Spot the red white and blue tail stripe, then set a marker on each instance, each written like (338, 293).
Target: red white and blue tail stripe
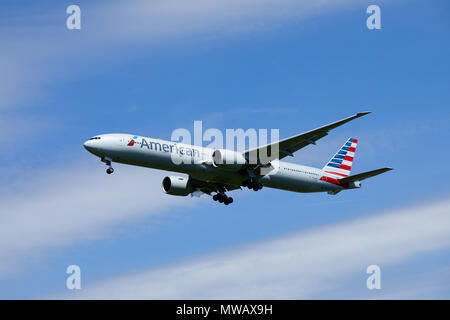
(341, 164)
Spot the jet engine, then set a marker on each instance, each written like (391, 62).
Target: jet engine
(177, 186)
(228, 160)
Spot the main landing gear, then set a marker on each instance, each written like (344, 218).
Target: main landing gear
(222, 198)
(252, 184)
(108, 163)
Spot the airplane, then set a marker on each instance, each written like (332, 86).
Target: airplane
(216, 172)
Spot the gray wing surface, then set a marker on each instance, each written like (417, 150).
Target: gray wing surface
(287, 147)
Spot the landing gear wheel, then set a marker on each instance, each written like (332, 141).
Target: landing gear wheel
(108, 162)
(247, 183)
(219, 197)
(222, 198)
(252, 184)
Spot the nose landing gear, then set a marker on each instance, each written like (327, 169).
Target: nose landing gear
(107, 161)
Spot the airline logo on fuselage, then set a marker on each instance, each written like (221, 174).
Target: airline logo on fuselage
(131, 142)
(164, 147)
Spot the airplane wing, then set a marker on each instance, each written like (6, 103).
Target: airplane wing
(290, 145)
(364, 175)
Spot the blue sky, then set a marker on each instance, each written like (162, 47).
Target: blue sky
(149, 68)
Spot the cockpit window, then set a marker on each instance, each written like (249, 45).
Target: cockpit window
(95, 138)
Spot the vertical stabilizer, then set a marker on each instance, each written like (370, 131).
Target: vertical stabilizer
(341, 164)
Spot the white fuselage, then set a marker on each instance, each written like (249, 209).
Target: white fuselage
(196, 162)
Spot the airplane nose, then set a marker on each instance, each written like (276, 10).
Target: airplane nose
(88, 145)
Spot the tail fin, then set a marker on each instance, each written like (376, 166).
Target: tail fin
(341, 164)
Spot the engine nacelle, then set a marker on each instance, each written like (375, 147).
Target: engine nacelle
(177, 186)
(227, 159)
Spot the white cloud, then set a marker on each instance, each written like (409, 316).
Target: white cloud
(61, 207)
(40, 50)
(301, 265)
(174, 18)
(430, 283)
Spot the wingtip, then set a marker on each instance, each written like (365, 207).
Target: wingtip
(360, 114)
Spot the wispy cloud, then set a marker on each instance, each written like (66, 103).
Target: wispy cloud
(39, 49)
(302, 265)
(173, 18)
(74, 203)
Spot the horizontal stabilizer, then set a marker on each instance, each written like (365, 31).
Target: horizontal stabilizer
(364, 175)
